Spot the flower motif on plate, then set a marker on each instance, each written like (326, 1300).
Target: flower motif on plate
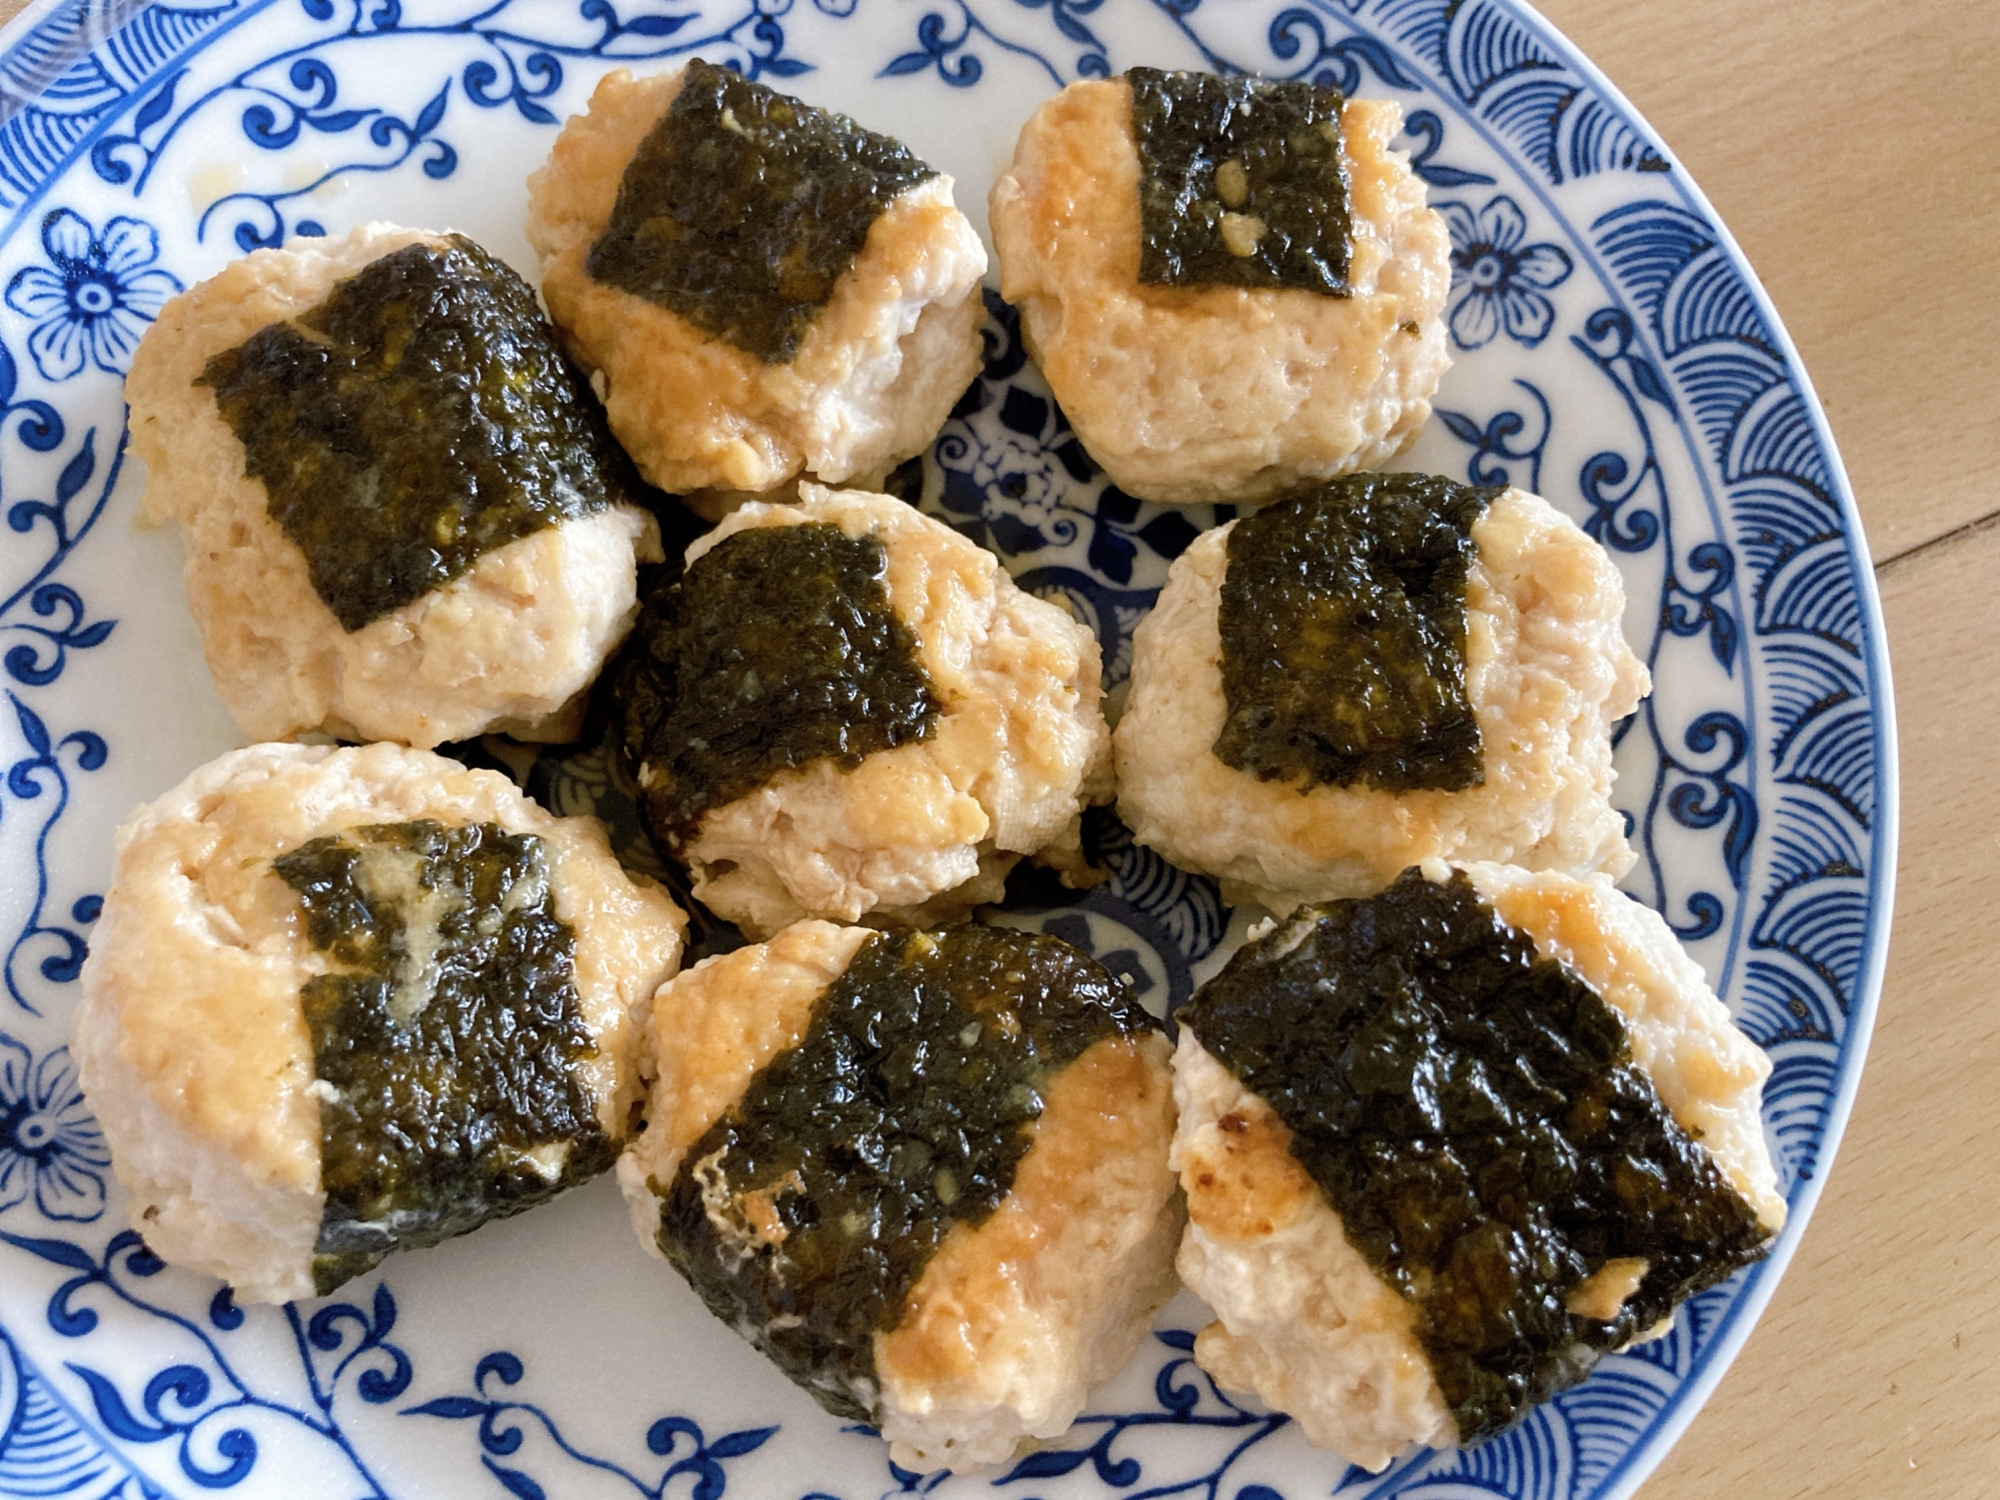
(92, 302)
(1497, 280)
(1640, 384)
(50, 1145)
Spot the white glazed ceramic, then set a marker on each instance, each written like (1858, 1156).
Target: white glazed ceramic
(1613, 352)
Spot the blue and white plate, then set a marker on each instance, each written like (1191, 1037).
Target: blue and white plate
(1613, 353)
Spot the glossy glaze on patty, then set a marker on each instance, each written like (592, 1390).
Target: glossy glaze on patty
(417, 419)
(1474, 1114)
(1241, 182)
(775, 649)
(1343, 636)
(446, 1036)
(744, 207)
(806, 1213)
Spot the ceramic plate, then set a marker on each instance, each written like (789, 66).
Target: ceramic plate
(1613, 352)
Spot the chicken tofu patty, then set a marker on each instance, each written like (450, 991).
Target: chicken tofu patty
(1231, 285)
(766, 289)
(404, 517)
(954, 1264)
(1381, 670)
(345, 1001)
(1446, 1146)
(845, 709)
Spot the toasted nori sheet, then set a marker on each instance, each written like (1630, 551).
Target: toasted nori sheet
(1343, 636)
(743, 208)
(438, 1109)
(417, 419)
(903, 1112)
(1473, 1114)
(778, 647)
(1283, 139)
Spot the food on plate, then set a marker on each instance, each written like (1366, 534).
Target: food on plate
(713, 505)
(404, 517)
(1441, 1147)
(1231, 284)
(1446, 1146)
(1379, 670)
(925, 1173)
(765, 288)
(845, 709)
(347, 1001)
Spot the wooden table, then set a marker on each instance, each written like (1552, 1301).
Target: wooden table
(1853, 146)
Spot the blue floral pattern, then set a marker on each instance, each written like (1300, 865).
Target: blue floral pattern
(1496, 281)
(92, 302)
(1009, 472)
(505, 1425)
(50, 1146)
(1614, 355)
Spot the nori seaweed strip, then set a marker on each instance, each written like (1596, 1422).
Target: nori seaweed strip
(903, 1112)
(778, 647)
(743, 208)
(1343, 636)
(1473, 1114)
(423, 418)
(1241, 182)
(449, 1032)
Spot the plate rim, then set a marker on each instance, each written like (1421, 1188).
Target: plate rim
(103, 19)
(1748, 1309)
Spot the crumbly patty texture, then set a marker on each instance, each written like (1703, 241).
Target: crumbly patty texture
(505, 646)
(1303, 1320)
(1301, 1317)
(191, 1039)
(1708, 1073)
(1014, 1317)
(1218, 393)
(870, 384)
(929, 828)
(711, 1029)
(1547, 671)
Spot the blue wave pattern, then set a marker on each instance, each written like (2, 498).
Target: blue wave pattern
(1807, 936)
(79, 69)
(1754, 811)
(46, 1451)
(1502, 74)
(199, 1408)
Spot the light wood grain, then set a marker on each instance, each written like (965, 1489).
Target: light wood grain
(1872, 1374)
(1853, 148)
